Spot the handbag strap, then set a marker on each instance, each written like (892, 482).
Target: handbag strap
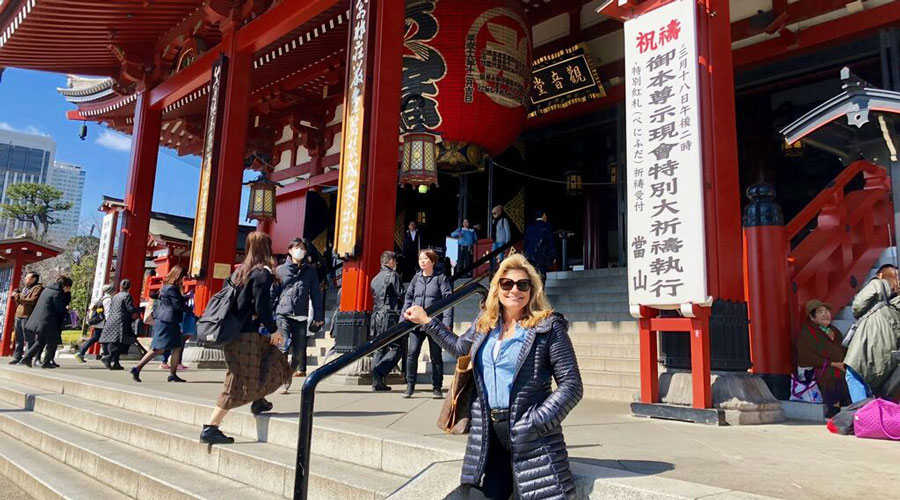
(881, 421)
(805, 389)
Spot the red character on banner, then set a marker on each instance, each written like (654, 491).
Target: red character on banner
(670, 32)
(646, 41)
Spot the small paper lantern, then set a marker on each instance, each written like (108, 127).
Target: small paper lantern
(262, 199)
(794, 150)
(573, 183)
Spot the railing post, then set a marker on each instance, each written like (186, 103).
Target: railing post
(766, 286)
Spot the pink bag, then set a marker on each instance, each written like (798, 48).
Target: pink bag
(879, 419)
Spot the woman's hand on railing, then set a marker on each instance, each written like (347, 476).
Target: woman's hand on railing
(276, 339)
(416, 314)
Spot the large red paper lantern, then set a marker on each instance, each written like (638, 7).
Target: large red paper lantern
(471, 61)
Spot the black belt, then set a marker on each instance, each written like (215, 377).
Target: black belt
(500, 415)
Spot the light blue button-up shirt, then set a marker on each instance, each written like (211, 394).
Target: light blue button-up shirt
(499, 370)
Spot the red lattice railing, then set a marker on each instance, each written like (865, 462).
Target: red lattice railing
(851, 230)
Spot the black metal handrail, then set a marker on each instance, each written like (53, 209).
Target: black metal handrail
(487, 259)
(308, 393)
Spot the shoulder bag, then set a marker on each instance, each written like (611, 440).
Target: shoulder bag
(455, 413)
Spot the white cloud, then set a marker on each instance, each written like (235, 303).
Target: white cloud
(114, 141)
(31, 129)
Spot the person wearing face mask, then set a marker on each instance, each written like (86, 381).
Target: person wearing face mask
(298, 284)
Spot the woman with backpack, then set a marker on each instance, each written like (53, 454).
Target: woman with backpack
(256, 366)
(169, 309)
(97, 318)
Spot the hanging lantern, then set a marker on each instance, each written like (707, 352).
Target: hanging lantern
(573, 183)
(262, 199)
(471, 63)
(418, 168)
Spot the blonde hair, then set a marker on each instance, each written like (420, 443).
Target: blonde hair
(538, 307)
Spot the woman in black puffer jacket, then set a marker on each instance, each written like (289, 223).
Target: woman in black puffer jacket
(427, 287)
(518, 344)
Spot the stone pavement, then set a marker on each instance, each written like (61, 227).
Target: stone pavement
(791, 460)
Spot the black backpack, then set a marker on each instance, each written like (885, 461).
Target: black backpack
(220, 324)
(97, 315)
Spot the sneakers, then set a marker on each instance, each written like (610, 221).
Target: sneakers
(175, 378)
(378, 384)
(80, 358)
(48, 365)
(260, 406)
(437, 393)
(135, 374)
(410, 389)
(212, 435)
(165, 366)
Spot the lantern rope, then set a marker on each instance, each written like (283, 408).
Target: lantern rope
(555, 181)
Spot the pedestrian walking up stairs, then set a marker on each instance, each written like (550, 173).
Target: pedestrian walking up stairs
(604, 334)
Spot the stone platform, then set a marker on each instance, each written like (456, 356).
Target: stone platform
(372, 446)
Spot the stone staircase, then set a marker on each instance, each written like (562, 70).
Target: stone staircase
(76, 439)
(68, 436)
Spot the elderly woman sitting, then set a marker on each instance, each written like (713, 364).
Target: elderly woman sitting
(819, 346)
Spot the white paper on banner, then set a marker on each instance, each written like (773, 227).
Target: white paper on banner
(666, 239)
(104, 254)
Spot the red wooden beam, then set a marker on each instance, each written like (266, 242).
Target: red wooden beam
(278, 21)
(187, 80)
(795, 12)
(829, 33)
(326, 179)
(304, 168)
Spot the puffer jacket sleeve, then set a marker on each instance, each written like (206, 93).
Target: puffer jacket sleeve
(456, 345)
(446, 291)
(549, 415)
(868, 297)
(410, 294)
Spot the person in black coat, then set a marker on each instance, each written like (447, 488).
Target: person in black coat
(426, 288)
(412, 245)
(518, 346)
(118, 335)
(387, 294)
(540, 247)
(169, 309)
(297, 287)
(47, 320)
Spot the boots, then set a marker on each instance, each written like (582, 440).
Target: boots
(212, 435)
(410, 389)
(260, 406)
(378, 384)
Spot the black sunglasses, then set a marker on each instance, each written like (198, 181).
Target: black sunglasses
(507, 284)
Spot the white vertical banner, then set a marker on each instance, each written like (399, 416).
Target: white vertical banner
(104, 254)
(666, 230)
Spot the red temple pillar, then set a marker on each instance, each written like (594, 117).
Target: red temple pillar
(139, 193)
(229, 171)
(381, 178)
(722, 196)
(6, 346)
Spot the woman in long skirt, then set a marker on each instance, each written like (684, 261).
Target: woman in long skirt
(256, 367)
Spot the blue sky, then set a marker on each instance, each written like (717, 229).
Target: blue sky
(30, 103)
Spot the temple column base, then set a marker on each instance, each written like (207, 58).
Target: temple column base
(738, 398)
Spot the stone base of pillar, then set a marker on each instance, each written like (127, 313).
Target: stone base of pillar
(203, 357)
(360, 373)
(744, 398)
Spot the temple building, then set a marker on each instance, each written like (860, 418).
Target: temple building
(361, 117)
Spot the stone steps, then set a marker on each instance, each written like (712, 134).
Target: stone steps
(44, 478)
(258, 465)
(367, 449)
(611, 379)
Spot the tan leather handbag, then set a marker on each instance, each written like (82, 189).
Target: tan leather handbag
(455, 413)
